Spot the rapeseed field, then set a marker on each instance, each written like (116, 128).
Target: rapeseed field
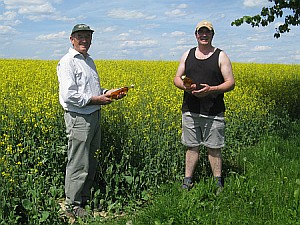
(141, 133)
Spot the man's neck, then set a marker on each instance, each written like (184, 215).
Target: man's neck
(206, 49)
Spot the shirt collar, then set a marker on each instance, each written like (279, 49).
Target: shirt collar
(73, 52)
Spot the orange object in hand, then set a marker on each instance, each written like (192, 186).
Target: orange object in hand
(187, 81)
(120, 91)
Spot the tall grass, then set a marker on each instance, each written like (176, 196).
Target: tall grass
(264, 191)
(141, 147)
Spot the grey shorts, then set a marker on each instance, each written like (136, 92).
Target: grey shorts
(203, 130)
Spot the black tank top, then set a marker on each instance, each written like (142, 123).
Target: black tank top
(205, 71)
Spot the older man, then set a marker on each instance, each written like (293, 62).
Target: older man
(81, 96)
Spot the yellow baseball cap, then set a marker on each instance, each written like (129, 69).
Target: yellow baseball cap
(206, 24)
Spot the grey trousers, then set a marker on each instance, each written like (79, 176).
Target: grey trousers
(84, 137)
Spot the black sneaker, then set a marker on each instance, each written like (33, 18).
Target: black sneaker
(187, 183)
(219, 190)
(76, 211)
(69, 211)
(219, 184)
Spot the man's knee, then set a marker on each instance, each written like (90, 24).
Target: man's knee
(214, 152)
(193, 149)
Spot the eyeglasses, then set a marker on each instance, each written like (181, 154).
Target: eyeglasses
(82, 36)
(204, 31)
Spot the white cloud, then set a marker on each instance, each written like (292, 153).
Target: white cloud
(257, 37)
(251, 60)
(182, 41)
(29, 6)
(140, 43)
(261, 48)
(278, 24)
(254, 3)
(126, 14)
(7, 30)
(174, 34)
(35, 10)
(181, 48)
(150, 26)
(9, 15)
(253, 38)
(296, 57)
(175, 13)
(150, 17)
(109, 29)
(177, 34)
(54, 36)
(135, 32)
(21, 2)
(182, 6)
(147, 53)
(45, 8)
(62, 18)
(57, 53)
(9, 18)
(122, 36)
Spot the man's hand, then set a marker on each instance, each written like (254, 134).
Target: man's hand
(202, 92)
(189, 88)
(101, 99)
(117, 93)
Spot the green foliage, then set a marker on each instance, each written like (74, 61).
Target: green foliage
(268, 14)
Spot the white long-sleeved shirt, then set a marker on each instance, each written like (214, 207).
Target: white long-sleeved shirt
(78, 82)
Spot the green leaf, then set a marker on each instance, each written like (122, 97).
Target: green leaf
(45, 216)
(129, 179)
(248, 19)
(145, 195)
(296, 194)
(27, 204)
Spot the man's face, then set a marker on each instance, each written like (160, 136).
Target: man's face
(204, 35)
(81, 41)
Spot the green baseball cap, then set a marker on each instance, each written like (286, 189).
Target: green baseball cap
(81, 27)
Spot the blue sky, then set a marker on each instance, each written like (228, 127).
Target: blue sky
(140, 29)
